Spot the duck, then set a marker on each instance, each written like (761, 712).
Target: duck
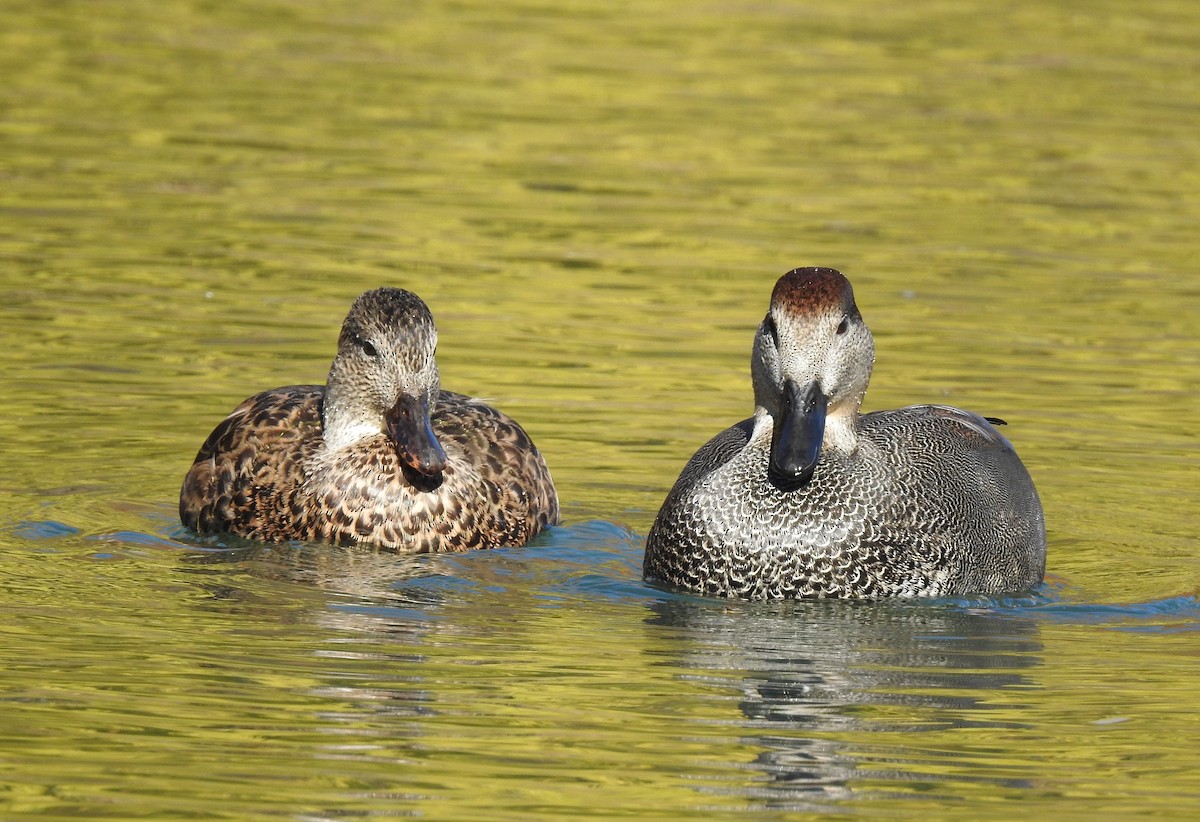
(811, 498)
(379, 455)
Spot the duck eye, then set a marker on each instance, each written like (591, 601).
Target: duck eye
(844, 325)
(769, 322)
(367, 348)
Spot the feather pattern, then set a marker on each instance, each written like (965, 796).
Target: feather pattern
(927, 500)
(271, 471)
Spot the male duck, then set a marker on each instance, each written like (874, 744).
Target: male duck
(808, 498)
(379, 455)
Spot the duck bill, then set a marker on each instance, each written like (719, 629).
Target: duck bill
(411, 430)
(796, 439)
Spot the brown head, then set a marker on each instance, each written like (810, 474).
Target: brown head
(812, 361)
(384, 379)
(807, 291)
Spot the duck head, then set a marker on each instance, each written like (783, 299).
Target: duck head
(384, 379)
(811, 364)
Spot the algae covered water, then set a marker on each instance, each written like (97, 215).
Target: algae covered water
(595, 200)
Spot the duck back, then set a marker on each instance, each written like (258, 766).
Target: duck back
(932, 502)
(263, 473)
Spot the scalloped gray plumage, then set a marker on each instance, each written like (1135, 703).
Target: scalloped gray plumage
(810, 498)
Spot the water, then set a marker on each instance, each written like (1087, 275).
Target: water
(595, 200)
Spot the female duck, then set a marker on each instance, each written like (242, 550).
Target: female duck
(379, 455)
(808, 498)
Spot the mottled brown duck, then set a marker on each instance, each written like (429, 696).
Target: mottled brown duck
(378, 455)
(810, 498)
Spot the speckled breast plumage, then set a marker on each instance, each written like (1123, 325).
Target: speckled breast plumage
(933, 502)
(262, 474)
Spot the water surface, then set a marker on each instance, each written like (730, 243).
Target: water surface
(595, 200)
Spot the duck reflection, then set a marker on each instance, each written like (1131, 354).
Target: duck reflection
(821, 685)
(354, 570)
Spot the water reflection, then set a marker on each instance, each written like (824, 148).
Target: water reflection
(818, 683)
(191, 191)
(357, 571)
(557, 656)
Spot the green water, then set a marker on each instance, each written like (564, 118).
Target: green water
(595, 199)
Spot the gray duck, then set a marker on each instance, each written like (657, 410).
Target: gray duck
(811, 498)
(378, 455)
